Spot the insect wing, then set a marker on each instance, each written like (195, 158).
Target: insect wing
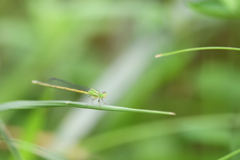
(63, 83)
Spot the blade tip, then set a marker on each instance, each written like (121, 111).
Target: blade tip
(34, 81)
(158, 55)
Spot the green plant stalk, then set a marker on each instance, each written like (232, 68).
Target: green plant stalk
(49, 104)
(197, 49)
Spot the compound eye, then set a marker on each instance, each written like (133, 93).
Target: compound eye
(104, 94)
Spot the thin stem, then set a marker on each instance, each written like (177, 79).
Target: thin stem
(196, 49)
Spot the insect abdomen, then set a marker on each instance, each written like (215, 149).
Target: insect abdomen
(59, 87)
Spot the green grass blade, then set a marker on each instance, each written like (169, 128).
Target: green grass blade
(230, 155)
(48, 104)
(32, 127)
(7, 139)
(197, 49)
(151, 130)
(40, 151)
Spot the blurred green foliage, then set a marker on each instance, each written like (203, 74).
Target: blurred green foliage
(78, 41)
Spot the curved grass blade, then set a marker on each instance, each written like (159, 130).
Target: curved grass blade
(7, 139)
(48, 104)
(197, 49)
(155, 129)
(230, 155)
(40, 151)
(33, 125)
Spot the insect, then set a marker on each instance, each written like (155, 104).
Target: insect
(65, 85)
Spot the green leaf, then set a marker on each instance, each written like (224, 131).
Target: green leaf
(49, 104)
(232, 5)
(211, 8)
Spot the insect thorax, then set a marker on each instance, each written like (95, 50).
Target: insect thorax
(93, 92)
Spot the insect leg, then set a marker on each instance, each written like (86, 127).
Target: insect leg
(99, 101)
(103, 100)
(88, 101)
(93, 100)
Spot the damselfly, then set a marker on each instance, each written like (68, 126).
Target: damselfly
(65, 85)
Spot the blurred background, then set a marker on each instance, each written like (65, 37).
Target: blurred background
(110, 45)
